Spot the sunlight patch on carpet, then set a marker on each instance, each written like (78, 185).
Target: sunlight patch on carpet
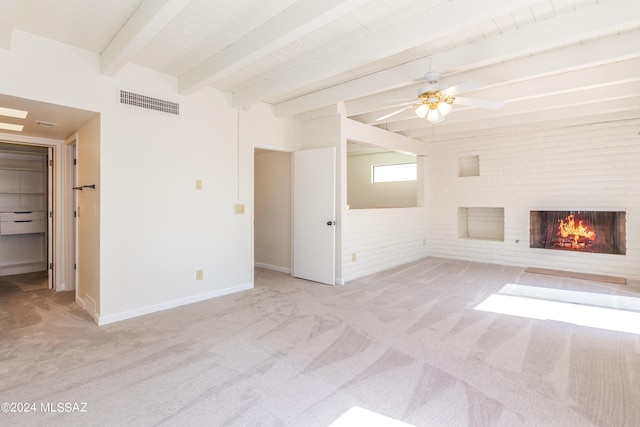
(602, 311)
(357, 416)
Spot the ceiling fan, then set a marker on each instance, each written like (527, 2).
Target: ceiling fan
(434, 103)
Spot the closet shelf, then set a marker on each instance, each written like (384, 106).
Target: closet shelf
(21, 169)
(40, 193)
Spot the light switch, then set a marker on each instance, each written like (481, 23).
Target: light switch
(198, 184)
(238, 208)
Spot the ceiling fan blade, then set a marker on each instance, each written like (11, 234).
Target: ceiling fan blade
(401, 100)
(386, 116)
(481, 103)
(462, 88)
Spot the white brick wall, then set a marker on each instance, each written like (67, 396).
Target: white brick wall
(594, 167)
(381, 239)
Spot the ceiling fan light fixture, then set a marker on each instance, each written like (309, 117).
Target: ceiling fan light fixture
(422, 111)
(433, 113)
(434, 103)
(444, 107)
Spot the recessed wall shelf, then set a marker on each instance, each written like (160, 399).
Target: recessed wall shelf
(468, 166)
(481, 223)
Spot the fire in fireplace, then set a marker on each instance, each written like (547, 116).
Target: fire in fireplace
(582, 231)
(574, 235)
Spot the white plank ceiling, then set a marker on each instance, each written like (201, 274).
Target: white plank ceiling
(553, 62)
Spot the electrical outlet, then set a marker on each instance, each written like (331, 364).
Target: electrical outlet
(199, 274)
(238, 208)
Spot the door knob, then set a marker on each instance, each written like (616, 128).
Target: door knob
(331, 223)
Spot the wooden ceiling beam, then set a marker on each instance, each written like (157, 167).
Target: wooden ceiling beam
(302, 18)
(597, 99)
(566, 83)
(628, 118)
(594, 111)
(145, 24)
(394, 39)
(534, 40)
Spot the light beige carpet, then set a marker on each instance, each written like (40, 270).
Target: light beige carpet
(406, 343)
(29, 281)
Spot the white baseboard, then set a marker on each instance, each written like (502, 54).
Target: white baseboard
(272, 267)
(129, 314)
(91, 307)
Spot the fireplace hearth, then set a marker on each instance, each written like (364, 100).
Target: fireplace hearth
(579, 231)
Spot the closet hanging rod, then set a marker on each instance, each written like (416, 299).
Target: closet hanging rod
(85, 186)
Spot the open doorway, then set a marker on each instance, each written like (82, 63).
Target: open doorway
(26, 234)
(272, 209)
(42, 196)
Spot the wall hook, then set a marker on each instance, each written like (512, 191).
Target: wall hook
(85, 186)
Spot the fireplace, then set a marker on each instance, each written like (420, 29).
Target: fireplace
(580, 231)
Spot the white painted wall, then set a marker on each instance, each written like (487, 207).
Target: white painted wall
(378, 239)
(272, 210)
(364, 194)
(156, 229)
(591, 167)
(88, 220)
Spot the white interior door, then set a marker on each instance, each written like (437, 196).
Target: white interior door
(314, 246)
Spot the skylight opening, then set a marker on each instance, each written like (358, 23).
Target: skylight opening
(602, 311)
(11, 126)
(10, 112)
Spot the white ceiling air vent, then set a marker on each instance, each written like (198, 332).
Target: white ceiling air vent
(149, 103)
(44, 124)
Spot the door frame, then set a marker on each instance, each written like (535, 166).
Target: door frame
(255, 146)
(337, 215)
(71, 224)
(61, 192)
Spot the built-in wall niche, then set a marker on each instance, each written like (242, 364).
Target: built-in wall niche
(468, 165)
(579, 231)
(362, 190)
(481, 223)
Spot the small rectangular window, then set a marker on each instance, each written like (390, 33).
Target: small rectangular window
(394, 173)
